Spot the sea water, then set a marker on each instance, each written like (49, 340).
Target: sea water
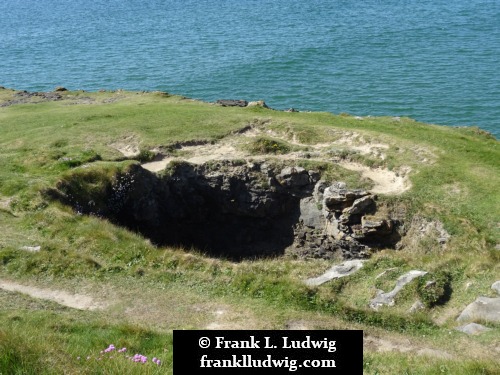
(437, 61)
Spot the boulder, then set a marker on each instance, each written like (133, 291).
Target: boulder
(360, 206)
(473, 329)
(310, 215)
(293, 177)
(483, 308)
(337, 198)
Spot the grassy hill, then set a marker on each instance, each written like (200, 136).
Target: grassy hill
(140, 292)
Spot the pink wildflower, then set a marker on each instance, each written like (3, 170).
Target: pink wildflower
(156, 361)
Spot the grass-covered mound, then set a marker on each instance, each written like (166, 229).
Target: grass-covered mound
(89, 141)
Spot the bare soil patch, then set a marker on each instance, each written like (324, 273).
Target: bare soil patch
(385, 181)
(76, 301)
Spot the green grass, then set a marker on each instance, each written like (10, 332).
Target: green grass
(265, 145)
(73, 146)
(48, 342)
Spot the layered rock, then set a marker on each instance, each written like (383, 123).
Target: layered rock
(336, 219)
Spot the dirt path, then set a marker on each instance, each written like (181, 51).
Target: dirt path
(215, 315)
(76, 301)
(385, 181)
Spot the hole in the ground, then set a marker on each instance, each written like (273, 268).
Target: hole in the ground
(228, 211)
(235, 210)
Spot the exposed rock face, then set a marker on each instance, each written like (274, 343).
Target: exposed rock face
(335, 218)
(241, 210)
(232, 103)
(23, 97)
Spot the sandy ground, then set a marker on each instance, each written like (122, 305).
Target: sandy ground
(385, 181)
(76, 301)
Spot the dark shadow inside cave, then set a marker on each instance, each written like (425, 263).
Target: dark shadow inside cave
(226, 235)
(231, 213)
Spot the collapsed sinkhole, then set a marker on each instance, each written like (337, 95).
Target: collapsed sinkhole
(235, 209)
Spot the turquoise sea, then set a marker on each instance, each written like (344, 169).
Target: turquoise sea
(436, 61)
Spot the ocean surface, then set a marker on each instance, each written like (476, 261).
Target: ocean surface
(436, 61)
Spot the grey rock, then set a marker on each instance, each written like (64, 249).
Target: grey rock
(314, 176)
(376, 226)
(339, 224)
(483, 308)
(340, 270)
(310, 215)
(336, 198)
(388, 298)
(496, 286)
(339, 185)
(318, 191)
(473, 329)
(293, 177)
(359, 206)
(232, 103)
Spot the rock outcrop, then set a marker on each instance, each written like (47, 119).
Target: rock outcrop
(483, 308)
(336, 272)
(473, 329)
(336, 218)
(388, 298)
(232, 103)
